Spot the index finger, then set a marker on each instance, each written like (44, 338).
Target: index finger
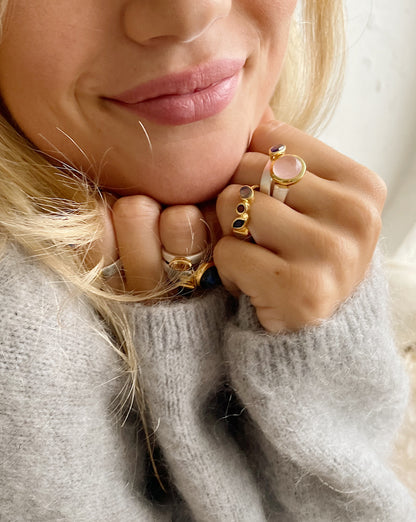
(321, 159)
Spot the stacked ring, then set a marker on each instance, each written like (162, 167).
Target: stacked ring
(281, 172)
(194, 259)
(187, 273)
(240, 224)
(115, 268)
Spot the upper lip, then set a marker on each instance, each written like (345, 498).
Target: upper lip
(181, 83)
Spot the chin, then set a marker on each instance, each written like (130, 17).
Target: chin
(188, 190)
(190, 194)
(181, 171)
(189, 197)
(196, 188)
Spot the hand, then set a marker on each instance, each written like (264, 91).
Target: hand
(311, 251)
(135, 229)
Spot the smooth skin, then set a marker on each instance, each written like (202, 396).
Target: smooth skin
(60, 60)
(310, 252)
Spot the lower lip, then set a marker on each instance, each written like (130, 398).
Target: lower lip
(187, 108)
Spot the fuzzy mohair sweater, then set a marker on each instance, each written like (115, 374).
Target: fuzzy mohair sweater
(249, 426)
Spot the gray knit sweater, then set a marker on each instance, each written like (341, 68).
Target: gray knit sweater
(249, 426)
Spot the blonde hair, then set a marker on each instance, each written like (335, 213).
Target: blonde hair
(310, 83)
(56, 214)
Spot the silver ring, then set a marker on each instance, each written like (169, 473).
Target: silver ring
(112, 270)
(267, 186)
(193, 259)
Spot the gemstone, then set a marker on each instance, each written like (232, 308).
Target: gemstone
(210, 278)
(241, 208)
(180, 264)
(239, 223)
(246, 192)
(287, 167)
(278, 149)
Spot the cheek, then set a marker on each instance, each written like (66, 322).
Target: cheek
(272, 21)
(270, 16)
(43, 52)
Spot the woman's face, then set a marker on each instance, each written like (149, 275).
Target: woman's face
(156, 97)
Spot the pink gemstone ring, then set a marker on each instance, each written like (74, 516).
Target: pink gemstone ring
(281, 171)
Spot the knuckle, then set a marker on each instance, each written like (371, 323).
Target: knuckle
(376, 187)
(227, 195)
(379, 190)
(372, 184)
(319, 295)
(364, 217)
(337, 251)
(336, 247)
(182, 229)
(133, 207)
(181, 218)
(322, 302)
(182, 212)
(370, 221)
(221, 251)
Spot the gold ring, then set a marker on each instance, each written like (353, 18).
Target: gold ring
(194, 259)
(240, 224)
(281, 172)
(188, 273)
(180, 269)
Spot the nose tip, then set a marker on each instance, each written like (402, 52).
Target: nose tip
(183, 20)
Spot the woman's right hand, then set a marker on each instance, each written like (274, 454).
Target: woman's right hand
(136, 227)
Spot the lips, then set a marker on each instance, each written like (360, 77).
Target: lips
(186, 97)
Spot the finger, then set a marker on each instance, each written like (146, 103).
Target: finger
(312, 196)
(136, 222)
(287, 296)
(276, 226)
(250, 169)
(320, 159)
(210, 218)
(183, 230)
(105, 249)
(257, 273)
(335, 205)
(249, 267)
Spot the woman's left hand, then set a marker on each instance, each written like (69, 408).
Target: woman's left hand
(311, 251)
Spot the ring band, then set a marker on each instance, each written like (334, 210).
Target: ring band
(113, 269)
(187, 273)
(193, 259)
(240, 224)
(180, 269)
(281, 172)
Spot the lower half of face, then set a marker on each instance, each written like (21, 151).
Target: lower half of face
(144, 113)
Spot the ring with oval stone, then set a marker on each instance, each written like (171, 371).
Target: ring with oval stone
(281, 172)
(189, 272)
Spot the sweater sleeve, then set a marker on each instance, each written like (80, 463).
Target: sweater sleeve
(181, 372)
(324, 404)
(63, 453)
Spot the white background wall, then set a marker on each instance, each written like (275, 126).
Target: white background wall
(375, 122)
